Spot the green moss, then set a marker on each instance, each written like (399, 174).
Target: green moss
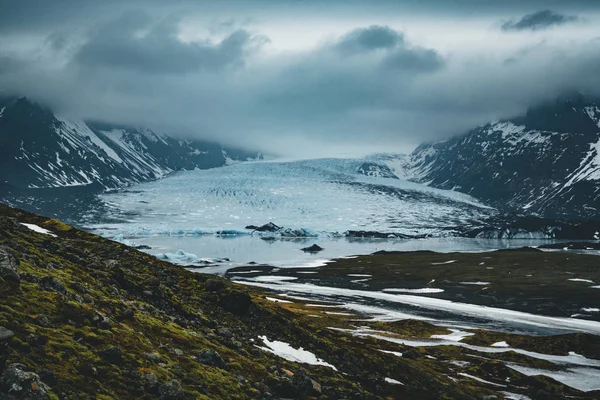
(160, 316)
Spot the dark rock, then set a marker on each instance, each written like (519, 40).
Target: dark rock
(52, 284)
(215, 285)
(171, 390)
(304, 384)
(171, 280)
(78, 287)
(143, 247)
(312, 249)
(36, 340)
(270, 227)
(153, 357)
(27, 277)
(48, 377)
(411, 354)
(175, 351)
(101, 321)
(128, 314)
(18, 383)
(376, 235)
(6, 336)
(212, 358)
(112, 355)
(8, 265)
(151, 379)
(236, 302)
(42, 321)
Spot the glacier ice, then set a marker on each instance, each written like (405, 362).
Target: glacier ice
(308, 197)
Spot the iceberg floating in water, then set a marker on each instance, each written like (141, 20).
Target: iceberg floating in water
(179, 256)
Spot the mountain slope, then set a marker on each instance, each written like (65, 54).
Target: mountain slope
(39, 149)
(87, 317)
(546, 163)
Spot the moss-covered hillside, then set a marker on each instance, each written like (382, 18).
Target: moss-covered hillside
(91, 318)
(83, 317)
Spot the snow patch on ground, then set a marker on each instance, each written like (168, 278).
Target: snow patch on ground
(444, 262)
(422, 290)
(515, 396)
(484, 312)
(590, 309)
(38, 229)
(456, 336)
(480, 380)
(393, 381)
(276, 300)
(580, 280)
(285, 351)
(584, 379)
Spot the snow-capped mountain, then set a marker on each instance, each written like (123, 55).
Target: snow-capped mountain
(546, 162)
(39, 149)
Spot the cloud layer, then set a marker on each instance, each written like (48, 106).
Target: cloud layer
(287, 80)
(539, 20)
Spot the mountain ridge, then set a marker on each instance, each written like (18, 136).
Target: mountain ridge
(40, 149)
(545, 163)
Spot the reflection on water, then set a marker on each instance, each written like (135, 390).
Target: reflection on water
(241, 250)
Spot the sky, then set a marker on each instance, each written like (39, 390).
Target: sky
(299, 78)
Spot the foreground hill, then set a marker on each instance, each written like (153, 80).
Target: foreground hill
(91, 317)
(81, 316)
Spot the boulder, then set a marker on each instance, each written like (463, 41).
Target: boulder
(171, 390)
(315, 248)
(42, 321)
(52, 284)
(113, 355)
(236, 302)
(212, 358)
(6, 336)
(18, 383)
(47, 377)
(304, 384)
(8, 265)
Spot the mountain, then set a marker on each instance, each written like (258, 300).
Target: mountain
(544, 163)
(39, 149)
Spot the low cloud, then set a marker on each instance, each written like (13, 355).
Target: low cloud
(539, 20)
(132, 42)
(368, 87)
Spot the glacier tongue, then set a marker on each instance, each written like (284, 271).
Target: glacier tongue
(323, 196)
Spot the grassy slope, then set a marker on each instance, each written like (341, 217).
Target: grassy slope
(160, 316)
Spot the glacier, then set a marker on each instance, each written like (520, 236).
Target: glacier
(321, 197)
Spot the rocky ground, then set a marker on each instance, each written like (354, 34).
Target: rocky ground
(84, 317)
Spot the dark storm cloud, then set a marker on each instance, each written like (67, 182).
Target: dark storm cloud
(367, 39)
(399, 54)
(207, 69)
(119, 44)
(539, 20)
